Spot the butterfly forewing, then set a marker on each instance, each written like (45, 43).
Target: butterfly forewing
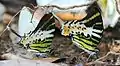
(25, 25)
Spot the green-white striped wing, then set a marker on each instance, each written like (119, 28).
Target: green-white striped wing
(86, 33)
(40, 38)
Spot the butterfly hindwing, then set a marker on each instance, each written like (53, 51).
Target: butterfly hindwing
(94, 27)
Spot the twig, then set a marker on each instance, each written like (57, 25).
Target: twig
(96, 62)
(7, 27)
(103, 56)
(101, 62)
(10, 22)
(107, 55)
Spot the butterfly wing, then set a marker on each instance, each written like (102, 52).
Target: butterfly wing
(91, 32)
(62, 3)
(25, 25)
(40, 38)
(109, 12)
(43, 2)
(86, 33)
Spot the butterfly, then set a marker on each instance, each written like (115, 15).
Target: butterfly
(37, 33)
(87, 32)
